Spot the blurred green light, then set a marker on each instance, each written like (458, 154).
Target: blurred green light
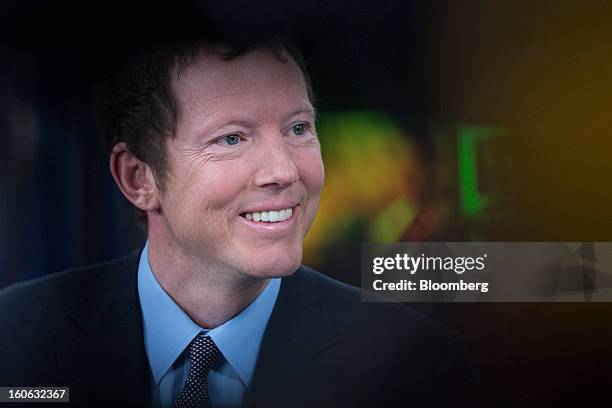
(392, 222)
(472, 201)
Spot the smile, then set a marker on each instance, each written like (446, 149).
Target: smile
(269, 216)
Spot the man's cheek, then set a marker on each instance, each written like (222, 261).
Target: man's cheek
(312, 171)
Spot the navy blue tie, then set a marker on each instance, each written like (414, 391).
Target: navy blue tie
(202, 355)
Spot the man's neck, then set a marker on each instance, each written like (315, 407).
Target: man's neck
(209, 296)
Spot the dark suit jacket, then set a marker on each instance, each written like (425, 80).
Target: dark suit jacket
(323, 346)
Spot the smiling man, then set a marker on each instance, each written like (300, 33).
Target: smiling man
(216, 145)
(243, 182)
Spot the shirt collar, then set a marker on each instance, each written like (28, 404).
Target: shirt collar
(168, 330)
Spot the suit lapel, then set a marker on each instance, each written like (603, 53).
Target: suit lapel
(103, 358)
(298, 330)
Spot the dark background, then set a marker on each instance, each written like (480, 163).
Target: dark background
(539, 75)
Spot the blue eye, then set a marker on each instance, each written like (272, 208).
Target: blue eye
(231, 139)
(299, 129)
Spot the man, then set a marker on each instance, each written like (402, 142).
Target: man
(216, 145)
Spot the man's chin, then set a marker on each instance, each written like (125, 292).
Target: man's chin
(275, 269)
(269, 261)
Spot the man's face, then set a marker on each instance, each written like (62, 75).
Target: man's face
(245, 168)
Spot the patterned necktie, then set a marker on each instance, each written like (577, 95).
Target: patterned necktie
(202, 354)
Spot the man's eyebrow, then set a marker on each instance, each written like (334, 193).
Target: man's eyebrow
(212, 126)
(307, 110)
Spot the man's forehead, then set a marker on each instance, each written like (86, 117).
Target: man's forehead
(260, 66)
(209, 75)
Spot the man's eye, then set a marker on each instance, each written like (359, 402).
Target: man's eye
(230, 139)
(299, 129)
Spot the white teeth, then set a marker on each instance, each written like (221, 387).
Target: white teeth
(270, 216)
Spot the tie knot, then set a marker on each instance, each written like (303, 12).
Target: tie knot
(202, 354)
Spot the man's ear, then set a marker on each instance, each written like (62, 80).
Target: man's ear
(134, 178)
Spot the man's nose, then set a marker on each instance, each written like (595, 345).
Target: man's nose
(276, 165)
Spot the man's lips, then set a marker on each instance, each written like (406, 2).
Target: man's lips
(278, 227)
(270, 216)
(271, 206)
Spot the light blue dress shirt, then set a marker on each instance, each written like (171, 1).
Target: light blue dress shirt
(168, 331)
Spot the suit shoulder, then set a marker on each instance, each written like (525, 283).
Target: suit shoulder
(355, 310)
(41, 302)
